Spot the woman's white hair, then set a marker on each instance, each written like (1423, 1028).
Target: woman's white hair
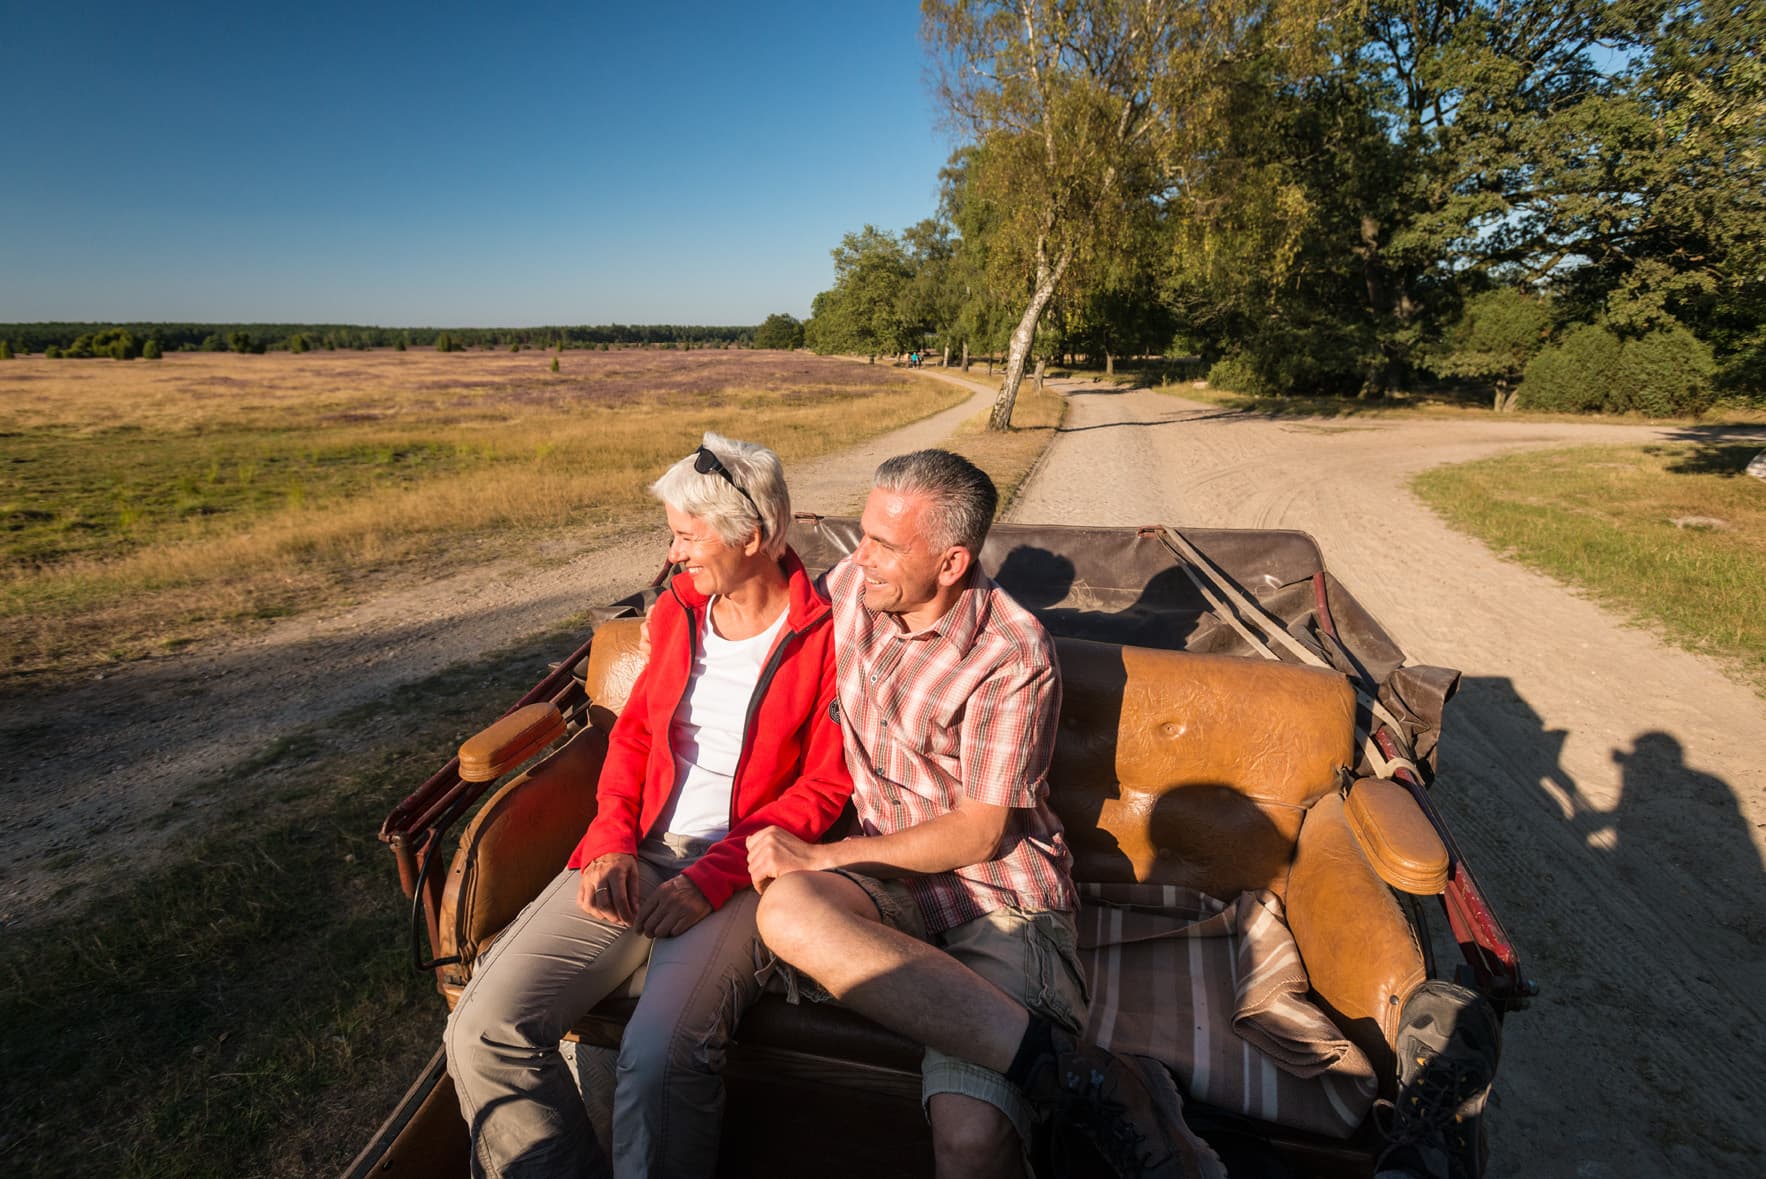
(709, 497)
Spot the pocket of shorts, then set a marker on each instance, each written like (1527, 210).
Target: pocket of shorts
(1060, 980)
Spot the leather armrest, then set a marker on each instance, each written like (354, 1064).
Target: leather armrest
(517, 842)
(1361, 955)
(490, 754)
(1397, 837)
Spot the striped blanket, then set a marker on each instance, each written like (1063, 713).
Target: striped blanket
(1216, 990)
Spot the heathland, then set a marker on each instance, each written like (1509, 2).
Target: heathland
(146, 505)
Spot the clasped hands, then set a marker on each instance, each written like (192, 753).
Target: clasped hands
(608, 889)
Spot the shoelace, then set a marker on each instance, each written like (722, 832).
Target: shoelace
(1427, 1112)
(1104, 1120)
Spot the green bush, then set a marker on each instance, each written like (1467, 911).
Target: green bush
(1667, 372)
(1236, 374)
(5, 349)
(1664, 373)
(152, 350)
(1576, 375)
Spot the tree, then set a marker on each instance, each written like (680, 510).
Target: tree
(445, 343)
(1078, 109)
(5, 349)
(152, 350)
(779, 331)
(863, 311)
(1496, 335)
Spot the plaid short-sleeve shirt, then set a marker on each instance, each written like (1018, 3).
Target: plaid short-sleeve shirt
(965, 707)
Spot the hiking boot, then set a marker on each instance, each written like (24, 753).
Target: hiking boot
(1116, 1115)
(1448, 1043)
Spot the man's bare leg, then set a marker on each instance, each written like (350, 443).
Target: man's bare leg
(825, 925)
(972, 1139)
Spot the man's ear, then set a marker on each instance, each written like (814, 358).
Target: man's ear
(955, 566)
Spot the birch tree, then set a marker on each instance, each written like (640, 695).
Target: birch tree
(1077, 110)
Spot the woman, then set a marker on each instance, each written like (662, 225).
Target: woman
(729, 729)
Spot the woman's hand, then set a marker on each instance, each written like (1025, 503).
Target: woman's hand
(675, 907)
(607, 890)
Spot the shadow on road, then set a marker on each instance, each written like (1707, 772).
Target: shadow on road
(1673, 842)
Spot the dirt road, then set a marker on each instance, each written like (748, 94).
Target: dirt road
(1606, 788)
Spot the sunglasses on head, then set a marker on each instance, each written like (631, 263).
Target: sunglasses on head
(707, 463)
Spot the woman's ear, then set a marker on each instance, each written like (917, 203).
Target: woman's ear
(753, 544)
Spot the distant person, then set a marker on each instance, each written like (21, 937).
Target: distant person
(950, 919)
(729, 730)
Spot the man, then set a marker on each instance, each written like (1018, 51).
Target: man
(950, 919)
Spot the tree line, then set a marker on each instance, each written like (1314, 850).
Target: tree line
(126, 341)
(1560, 201)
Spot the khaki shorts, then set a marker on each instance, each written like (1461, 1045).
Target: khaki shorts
(1030, 955)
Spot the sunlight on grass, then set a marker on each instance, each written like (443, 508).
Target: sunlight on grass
(148, 504)
(1673, 534)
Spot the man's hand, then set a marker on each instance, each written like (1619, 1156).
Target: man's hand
(607, 889)
(774, 852)
(675, 907)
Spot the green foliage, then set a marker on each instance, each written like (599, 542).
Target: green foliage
(1662, 373)
(5, 348)
(1237, 374)
(1495, 336)
(864, 312)
(52, 353)
(152, 350)
(554, 364)
(400, 345)
(1666, 372)
(779, 331)
(1576, 375)
(444, 342)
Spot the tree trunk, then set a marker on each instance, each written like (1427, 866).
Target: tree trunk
(1109, 363)
(1019, 352)
(1501, 390)
(965, 356)
(1041, 369)
(945, 363)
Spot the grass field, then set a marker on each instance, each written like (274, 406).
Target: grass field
(147, 504)
(1604, 519)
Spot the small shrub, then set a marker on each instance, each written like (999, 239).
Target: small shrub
(1236, 374)
(52, 353)
(1667, 372)
(6, 350)
(1575, 375)
(152, 350)
(554, 364)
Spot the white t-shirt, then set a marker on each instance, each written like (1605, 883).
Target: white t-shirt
(705, 735)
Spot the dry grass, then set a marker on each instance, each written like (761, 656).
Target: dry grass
(149, 504)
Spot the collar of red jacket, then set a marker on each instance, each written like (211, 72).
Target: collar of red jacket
(804, 605)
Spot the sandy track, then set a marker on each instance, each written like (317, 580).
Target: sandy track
(1607, 788)
(88, 773)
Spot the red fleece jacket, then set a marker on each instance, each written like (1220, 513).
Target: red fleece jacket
(791, 772)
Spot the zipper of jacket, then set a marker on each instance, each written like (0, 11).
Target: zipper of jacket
(674, 783)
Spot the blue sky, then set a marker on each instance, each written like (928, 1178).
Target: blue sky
(452, 164)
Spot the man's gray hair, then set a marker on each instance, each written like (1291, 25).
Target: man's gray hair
(963, 497)
(708, 496)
